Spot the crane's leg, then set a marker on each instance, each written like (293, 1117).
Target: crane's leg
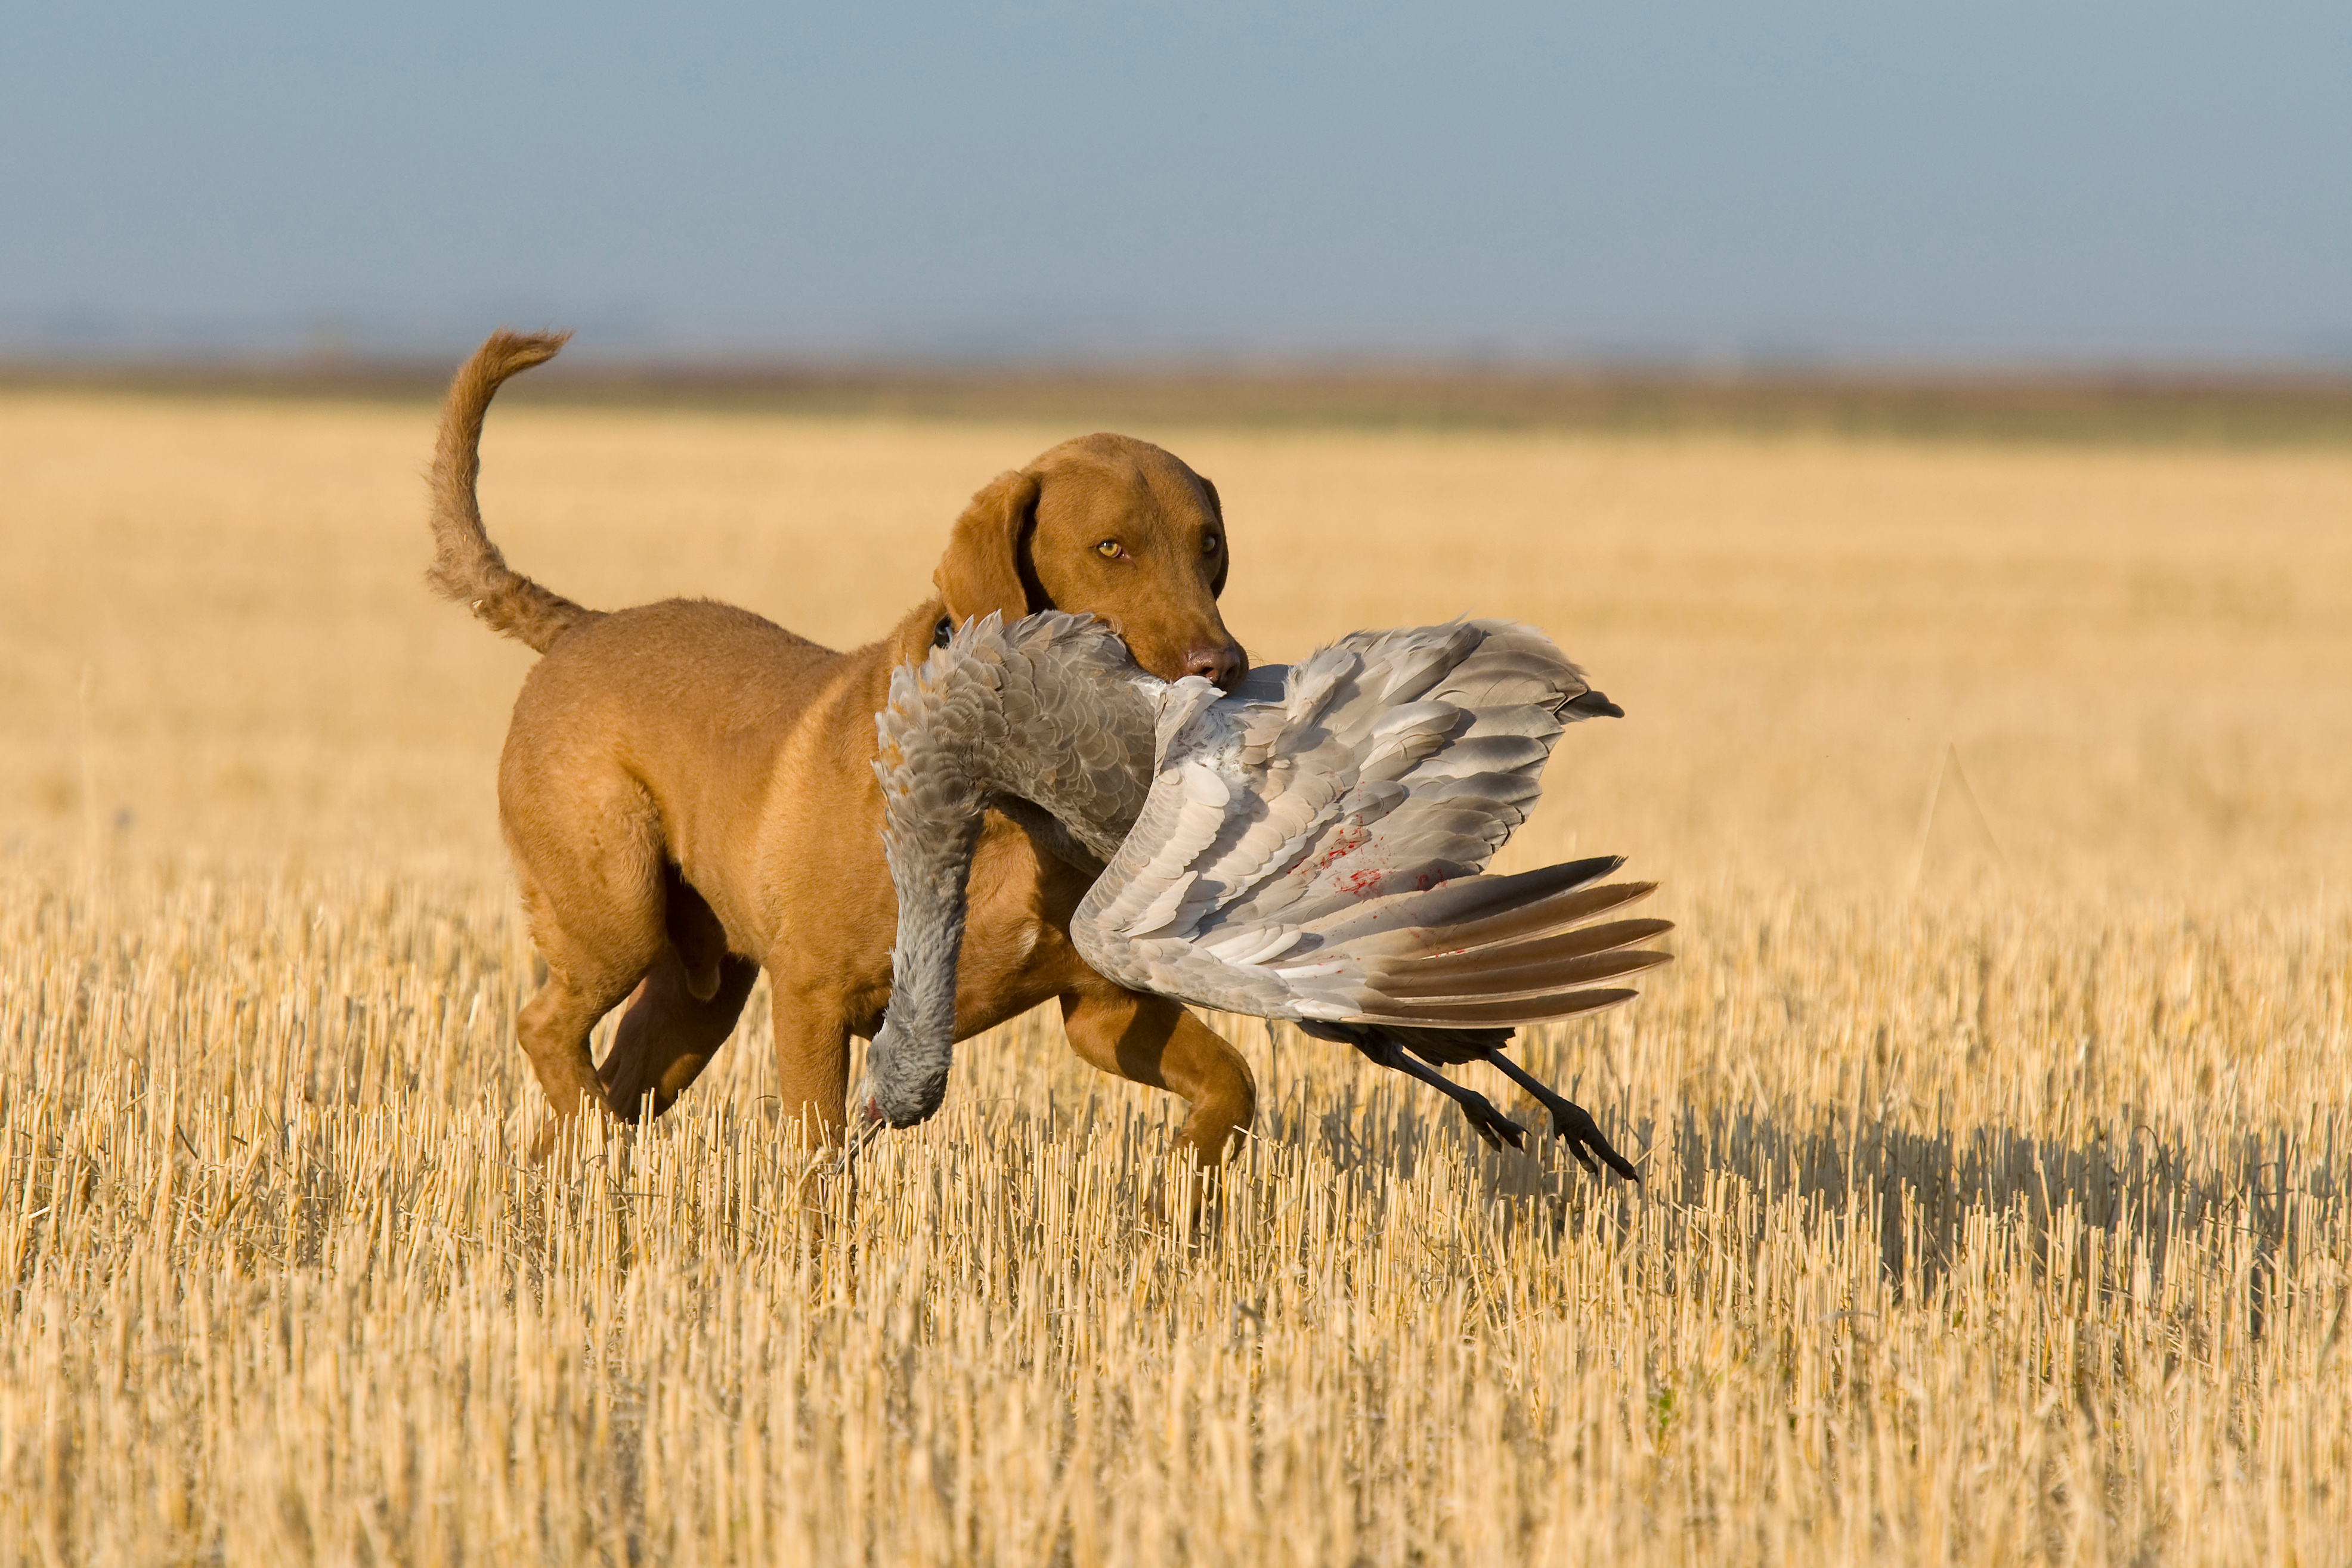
(1486, 1120)
(1379, 1045)
(1151, 1039)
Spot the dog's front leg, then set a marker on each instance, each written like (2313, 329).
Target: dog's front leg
(1153, 1040)
(812, 1061)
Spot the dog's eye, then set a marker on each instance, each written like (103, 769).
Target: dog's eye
(1108, 550)
(942, 631)
(1208, 544)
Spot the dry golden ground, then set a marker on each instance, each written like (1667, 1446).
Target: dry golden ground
(1991, 1115)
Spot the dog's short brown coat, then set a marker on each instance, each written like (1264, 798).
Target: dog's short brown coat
(688, 796)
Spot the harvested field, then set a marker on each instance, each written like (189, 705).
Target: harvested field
(1991, 1116)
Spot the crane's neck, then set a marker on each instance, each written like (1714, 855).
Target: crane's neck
(906, 1066)
(1046, 714)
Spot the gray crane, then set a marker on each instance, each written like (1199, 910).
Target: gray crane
(1309, 847)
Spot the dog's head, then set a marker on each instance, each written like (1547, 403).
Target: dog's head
(1106, 525)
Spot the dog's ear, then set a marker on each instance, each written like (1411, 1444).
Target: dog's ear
(1225, 550)
(983, 569)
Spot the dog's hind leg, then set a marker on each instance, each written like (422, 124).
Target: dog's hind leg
(668, 1035)
(683, 1010)
(595, 913)
(553, 1029)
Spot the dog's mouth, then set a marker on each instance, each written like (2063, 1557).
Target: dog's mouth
(1171, 668)
(1150, 666)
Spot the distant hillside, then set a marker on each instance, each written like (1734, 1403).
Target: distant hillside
(2025, 405)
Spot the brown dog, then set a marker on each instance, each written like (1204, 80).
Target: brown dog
(688, 795)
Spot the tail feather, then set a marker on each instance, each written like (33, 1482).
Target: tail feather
(1372, 925)
(1531, 983)
(467, 567)
(1487, 970)
(1504, 917)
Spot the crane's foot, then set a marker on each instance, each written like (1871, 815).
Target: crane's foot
(1485, 1121)
(1570, 1122)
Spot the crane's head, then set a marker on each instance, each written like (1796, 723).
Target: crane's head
(904, 1084)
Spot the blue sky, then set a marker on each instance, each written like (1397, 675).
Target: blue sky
(1992, 182)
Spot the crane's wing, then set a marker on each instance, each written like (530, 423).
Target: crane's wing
(1307, 848)
(1310, 846)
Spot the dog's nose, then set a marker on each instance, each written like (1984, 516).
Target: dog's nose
(1224, 666)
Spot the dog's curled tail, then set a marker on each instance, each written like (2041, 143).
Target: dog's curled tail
(467, 567)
